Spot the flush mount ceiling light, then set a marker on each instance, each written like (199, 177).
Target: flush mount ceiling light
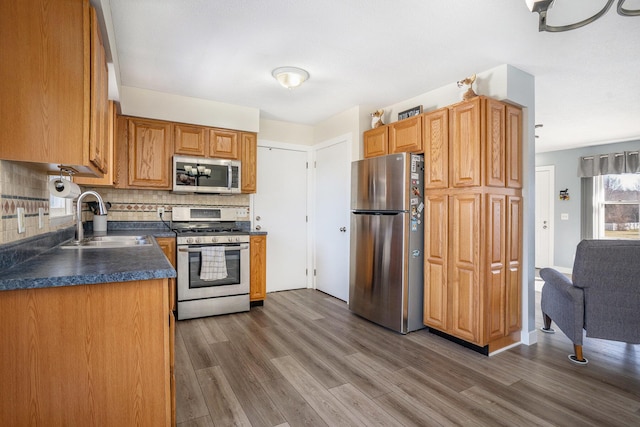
(290, 77)
(542, 6)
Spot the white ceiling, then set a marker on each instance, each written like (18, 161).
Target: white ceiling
(380, 52)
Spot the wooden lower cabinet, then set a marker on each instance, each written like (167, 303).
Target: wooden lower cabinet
(473, 266)
(258, 281)
(86, 355)
(168, 246)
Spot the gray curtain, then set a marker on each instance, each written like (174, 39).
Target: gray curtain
(586, 208)
(609, 164)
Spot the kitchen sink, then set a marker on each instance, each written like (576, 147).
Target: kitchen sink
(107, 242)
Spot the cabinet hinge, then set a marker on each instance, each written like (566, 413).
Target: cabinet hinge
(314, 271)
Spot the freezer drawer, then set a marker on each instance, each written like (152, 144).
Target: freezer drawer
(377, 282)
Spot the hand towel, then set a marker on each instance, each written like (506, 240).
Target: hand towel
(213, 263)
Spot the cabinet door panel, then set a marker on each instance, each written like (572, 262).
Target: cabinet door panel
(99, 131)
(514, 261)
(436, 256)
(496, 274)
(223, 144)
(435, 133)
(465, 143)
(150, 151)
(513, 145)
(465, 294)
(495, 143)
(406, 136)
(190, 140)
(376, 142)
(258, 267)
(249, 157)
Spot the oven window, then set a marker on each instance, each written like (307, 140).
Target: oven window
(232, 258)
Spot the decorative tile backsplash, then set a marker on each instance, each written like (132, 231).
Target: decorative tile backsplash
(21, 186)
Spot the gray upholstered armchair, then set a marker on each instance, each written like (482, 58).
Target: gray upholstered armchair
(603, 296)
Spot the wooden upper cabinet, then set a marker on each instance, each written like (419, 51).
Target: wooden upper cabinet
(513, 145)
(376, 142)
(495, 143)
(465, 143)
(435, 134)
(190, 140)
(249, 158)
(108, 179)
(406, 136)
(224, 144)
(46, 85)
(99, 131)
(149, 153)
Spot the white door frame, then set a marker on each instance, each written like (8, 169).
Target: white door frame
(348, 139)
(551, 201)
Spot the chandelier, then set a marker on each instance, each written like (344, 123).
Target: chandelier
(542, 6)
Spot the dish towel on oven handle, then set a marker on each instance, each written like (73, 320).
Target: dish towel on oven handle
(213, 263)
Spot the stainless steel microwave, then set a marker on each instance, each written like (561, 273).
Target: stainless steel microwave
(203, 175)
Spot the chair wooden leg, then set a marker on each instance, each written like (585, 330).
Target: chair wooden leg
(547, 329)
(578, 358)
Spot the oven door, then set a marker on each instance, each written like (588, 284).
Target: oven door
(191, 286)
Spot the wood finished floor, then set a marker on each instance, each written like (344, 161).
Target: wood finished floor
(304, 359)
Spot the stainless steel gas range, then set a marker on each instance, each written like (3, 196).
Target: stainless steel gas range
(213, 260)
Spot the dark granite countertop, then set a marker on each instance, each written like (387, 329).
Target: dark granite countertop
(66, 267)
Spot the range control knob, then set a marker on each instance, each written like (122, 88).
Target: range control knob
(214, 239)
(198, 240)
(189, 240)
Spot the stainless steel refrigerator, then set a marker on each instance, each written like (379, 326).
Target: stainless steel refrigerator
(387, 235)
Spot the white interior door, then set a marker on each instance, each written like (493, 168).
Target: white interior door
(544, 216)
(332, 219)
(280, 209)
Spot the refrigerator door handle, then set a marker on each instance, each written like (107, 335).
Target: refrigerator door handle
(377, 213)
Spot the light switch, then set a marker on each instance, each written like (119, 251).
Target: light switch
(564, 216)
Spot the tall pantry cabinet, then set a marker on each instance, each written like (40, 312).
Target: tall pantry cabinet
(473, 215)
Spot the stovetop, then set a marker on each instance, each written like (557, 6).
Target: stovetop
(202, 229)
(210, 225)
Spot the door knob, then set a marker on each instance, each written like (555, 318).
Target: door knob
(258, 218)
(343, 229)
(258, 228)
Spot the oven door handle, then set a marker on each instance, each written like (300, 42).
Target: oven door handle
(241, 247)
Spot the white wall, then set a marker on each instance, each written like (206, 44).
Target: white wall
(165, 106)
(290, 133)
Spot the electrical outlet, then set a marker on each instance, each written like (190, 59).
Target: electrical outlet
(40, 217)
(21, 225)
(160, 212)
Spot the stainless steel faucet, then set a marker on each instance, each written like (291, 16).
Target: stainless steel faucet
(102, 210)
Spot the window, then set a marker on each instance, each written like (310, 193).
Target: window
(617, 206)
